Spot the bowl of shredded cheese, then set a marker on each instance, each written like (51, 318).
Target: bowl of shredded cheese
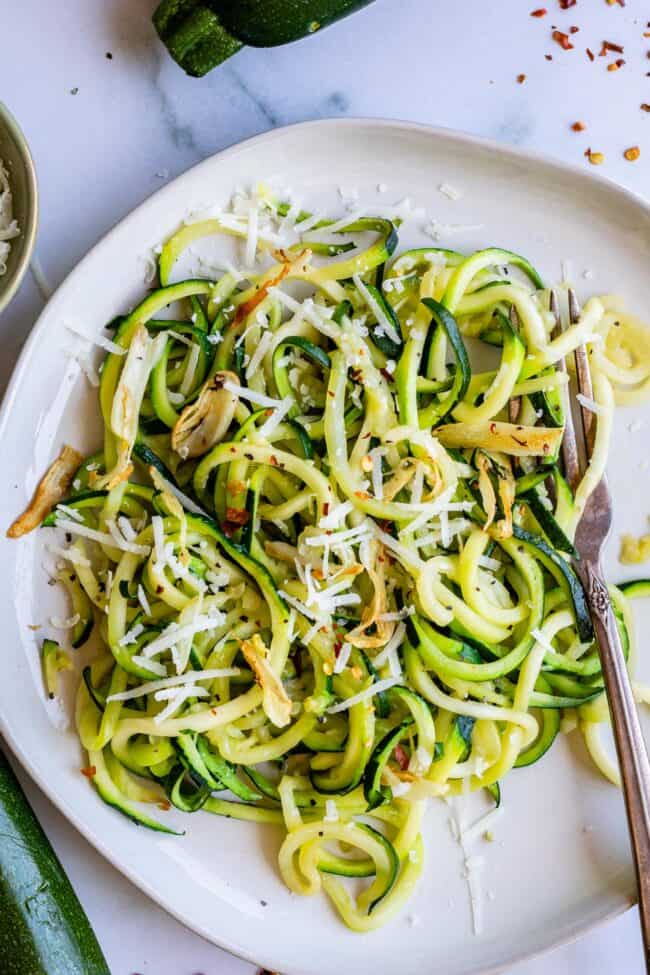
(18, 206)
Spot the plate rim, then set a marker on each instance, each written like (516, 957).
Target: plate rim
(618, 902)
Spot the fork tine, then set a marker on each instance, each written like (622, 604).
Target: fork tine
(514, 406)
(570, 457)
(583, 376)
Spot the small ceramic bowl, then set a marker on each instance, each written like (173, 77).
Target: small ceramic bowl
(18, 162)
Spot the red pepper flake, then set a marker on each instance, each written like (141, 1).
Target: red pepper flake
(237, 516)
(565, 4)
(273, 460)
(549, 57)
(591, 55)
(616, 65)
(164, 804)
(521, 78)
(632, 154)
(578, 127)
(646, 33)
(573, 29)
(608, 46)
(388, 376)
(562, 39)
(401, 757)
(363, 495)
(540, 12)
(596, 159)
(90, 772)
(645, 107)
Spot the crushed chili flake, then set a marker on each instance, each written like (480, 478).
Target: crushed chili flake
(238, 516)
(645, 107)
(164, 804)
(521, 78)
(363, 495)
(562, 39)
(632, 154)
(578, 126)
(595, 158)
(565, 4)
(616, 65)
(401, 757)
(590, 54)
(549, 57)
(609, 46)
(573, 29)
(90, 772)
(235, 487)
(540, 12)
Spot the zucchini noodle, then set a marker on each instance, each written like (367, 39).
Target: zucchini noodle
(326, 574)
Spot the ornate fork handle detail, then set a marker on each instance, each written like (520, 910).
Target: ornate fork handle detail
(598, 595)
(630, 745)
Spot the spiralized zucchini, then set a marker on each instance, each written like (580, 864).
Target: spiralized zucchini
(326, 572)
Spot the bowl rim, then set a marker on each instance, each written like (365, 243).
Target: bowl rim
(28, 232)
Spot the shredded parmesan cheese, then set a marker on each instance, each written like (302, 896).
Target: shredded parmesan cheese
(376, 688)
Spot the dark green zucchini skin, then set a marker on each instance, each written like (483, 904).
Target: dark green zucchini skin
(200, 34)
(43, 928)
(267, 23)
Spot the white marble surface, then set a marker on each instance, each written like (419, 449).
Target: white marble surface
(136, 121)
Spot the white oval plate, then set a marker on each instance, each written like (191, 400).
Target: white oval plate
(560, 861)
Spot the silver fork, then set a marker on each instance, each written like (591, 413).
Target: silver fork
(592, 531)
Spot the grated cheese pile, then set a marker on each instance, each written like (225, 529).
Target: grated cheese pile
(8, 226)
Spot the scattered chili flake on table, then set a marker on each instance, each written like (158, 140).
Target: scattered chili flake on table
(578, 126)
(609, 46)
(591, 55)
(595, 158)
(89, 772)
(521, 78)
(549, 57)
(565, 4)
(540, 12)
(632, 154)
(615, 65)
(573, 29)
(645, 107)
(562, 39)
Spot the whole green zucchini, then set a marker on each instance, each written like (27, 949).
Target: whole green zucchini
(200, 34)
(43, 928)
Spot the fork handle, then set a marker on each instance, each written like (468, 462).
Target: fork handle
(630, 745)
